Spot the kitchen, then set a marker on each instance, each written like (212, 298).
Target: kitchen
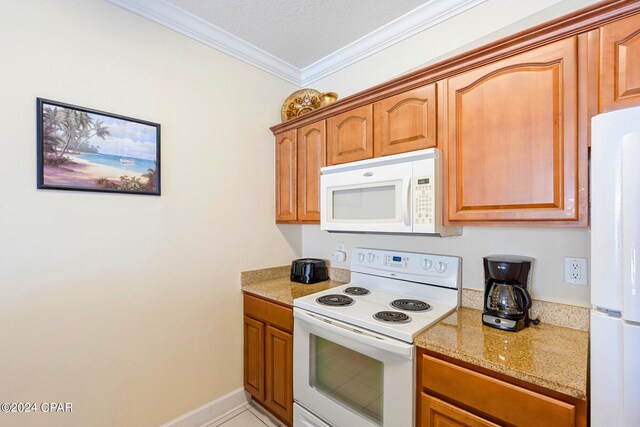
(142, 298)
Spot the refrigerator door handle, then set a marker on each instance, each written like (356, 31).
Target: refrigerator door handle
(631, 227)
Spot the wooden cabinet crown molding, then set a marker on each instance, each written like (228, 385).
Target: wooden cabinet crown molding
(566, 26)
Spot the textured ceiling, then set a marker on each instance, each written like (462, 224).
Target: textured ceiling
(300, 32)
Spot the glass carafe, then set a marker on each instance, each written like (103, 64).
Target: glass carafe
(508, 298)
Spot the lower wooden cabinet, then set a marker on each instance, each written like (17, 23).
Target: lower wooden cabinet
(254, 357)
(268, 355)
(453, 395)
(279, 372)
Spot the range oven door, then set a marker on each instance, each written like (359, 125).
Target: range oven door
(367, 199)
(352, 377)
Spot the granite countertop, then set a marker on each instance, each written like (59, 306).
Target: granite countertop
(547, 355)
(274, 284)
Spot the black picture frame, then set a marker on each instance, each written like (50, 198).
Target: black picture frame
(70, 157)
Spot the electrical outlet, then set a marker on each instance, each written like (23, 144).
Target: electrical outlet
(339, 256)
(575, 271)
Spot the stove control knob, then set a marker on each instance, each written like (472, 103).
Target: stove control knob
(441, 267)
(360, 257)
(427, 263)
(371, 257)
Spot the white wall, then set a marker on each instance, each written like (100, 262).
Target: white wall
(129, 306)
(489, 21)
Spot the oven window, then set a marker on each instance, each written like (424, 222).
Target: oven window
(348, 377)
(373, 203)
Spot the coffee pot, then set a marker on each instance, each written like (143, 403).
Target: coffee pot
(506, 299)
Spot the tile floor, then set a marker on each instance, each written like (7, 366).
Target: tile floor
(249, 415)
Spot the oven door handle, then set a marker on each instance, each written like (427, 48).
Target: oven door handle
(359, 335)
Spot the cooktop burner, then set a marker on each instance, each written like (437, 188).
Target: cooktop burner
(410, 305)
(356, 290)
(335, 300)
(392, 317)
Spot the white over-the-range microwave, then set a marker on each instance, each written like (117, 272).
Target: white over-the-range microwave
(393, 194)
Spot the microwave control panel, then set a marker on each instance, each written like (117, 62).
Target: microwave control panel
(423, 200)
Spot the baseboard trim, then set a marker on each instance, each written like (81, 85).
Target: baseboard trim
(212, 410)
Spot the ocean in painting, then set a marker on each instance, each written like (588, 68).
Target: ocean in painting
(126, 164)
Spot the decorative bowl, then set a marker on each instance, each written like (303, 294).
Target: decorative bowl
(304, 101)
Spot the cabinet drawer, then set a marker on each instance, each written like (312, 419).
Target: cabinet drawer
(499, 399)
(437, 413)
(274, 314)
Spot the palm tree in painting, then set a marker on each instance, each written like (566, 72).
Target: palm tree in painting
(97, 129)
(66, 129)
(73, 124)
(50, 127)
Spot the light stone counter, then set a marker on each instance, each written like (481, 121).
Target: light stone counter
(547, 355)
(274, 284)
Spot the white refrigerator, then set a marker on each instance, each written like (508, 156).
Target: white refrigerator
(615, 269)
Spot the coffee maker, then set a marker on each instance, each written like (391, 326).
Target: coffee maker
(506, 296)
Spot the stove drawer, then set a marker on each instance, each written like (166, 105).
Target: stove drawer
(274, 314)
(493, 398)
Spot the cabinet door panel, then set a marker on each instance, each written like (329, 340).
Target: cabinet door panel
(512, 142)
(437, 413)
(254, 357)
(311, 157)
(279, 373)
(286, 177)
(620, 64)
(350, 136)
(405, 122)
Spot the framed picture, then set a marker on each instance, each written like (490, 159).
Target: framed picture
(87, 150)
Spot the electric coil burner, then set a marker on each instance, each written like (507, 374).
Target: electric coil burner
(410, 305)
(392, 317)
(335, 300)
(356, 290)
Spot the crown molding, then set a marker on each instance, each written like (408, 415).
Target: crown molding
(401, 28)
(180, 20)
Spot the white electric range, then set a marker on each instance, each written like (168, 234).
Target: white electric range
(353, 345)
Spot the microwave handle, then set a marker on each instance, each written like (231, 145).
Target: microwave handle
(406, 188)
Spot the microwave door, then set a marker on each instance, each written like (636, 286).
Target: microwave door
(376, 199)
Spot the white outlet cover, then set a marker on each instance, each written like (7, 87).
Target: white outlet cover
(339, 256)
(576, 271)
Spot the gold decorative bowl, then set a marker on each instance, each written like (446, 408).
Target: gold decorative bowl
(304, 101)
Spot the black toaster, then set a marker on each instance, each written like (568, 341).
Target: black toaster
(309, 270)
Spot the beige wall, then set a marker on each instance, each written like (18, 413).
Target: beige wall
(129, 306)
(489, 21)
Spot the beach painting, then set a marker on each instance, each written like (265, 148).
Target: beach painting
(89, 150)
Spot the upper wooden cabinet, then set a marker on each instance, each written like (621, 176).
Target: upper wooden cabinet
(512, 144)
(311, 157)
(299, 156)
(405, 122)
(512, 119)
(350, 136)
(620, 64)
(286, 163)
